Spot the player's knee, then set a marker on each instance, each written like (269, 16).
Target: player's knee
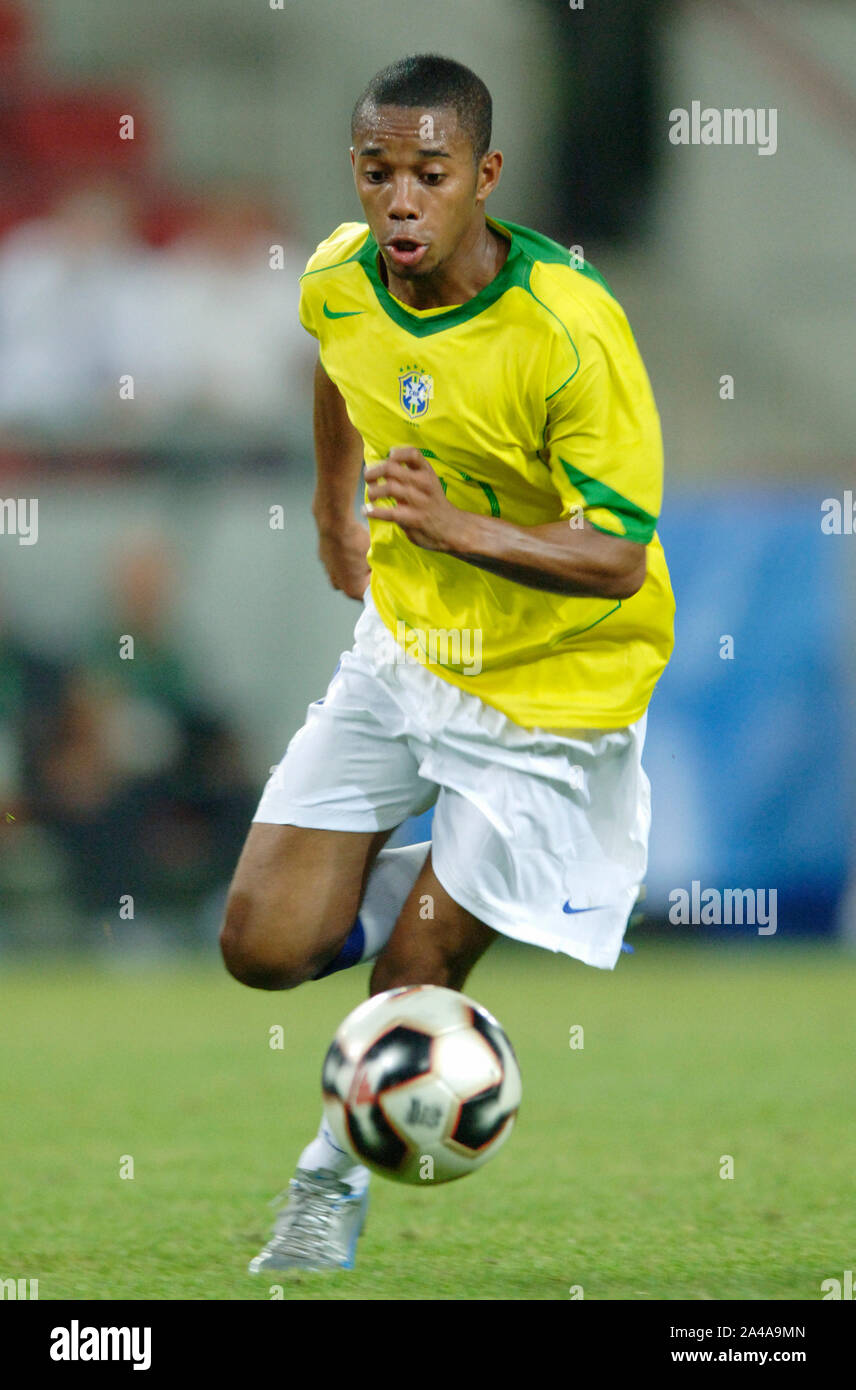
(417, 966)
(257, 953)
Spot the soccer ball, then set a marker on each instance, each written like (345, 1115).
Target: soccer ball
(421, 1084)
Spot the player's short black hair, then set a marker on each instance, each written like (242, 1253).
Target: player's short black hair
(429, 80)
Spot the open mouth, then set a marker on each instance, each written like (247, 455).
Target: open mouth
(405, 251)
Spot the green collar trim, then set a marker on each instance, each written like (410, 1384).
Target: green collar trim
(515, 271)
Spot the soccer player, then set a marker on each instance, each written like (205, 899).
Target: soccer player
(517, 610)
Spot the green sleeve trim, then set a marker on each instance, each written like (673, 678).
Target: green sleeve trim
(638, 524)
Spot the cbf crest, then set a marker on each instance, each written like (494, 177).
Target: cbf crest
(415, 390)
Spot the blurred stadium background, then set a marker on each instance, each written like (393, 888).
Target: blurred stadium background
(150, 257)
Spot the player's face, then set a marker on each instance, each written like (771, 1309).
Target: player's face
(418, 184)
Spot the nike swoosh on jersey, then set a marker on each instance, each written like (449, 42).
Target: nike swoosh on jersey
(347, 314)
(566, 907)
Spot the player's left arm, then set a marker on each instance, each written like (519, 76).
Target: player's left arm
(561, 557)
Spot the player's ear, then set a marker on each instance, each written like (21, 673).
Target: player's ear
(490, 169)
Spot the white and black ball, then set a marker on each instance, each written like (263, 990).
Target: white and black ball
(421, 1084)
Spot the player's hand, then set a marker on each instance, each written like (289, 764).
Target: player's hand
(343, 554)
(421, 508)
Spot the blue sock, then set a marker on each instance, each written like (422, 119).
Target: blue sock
(350, 954)
(392, 876)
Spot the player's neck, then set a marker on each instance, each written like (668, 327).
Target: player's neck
(461, 278)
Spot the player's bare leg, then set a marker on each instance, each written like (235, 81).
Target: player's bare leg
(293, 900)
(435, 941)
(290, 916)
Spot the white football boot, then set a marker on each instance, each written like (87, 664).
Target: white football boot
(319, 1226)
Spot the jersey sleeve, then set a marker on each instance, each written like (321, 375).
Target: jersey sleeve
(306, 308)
(602, 441)
(336, 249)
(309, 304)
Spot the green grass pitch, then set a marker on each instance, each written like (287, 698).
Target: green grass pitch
(611, 1180)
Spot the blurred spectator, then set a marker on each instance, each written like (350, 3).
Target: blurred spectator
(33, 877)
(233, 348)
(145, 786)
(31, 689)
(73, 311)
(206, 326)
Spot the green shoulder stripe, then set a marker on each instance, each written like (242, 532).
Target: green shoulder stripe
(638, 524)
(543, 248)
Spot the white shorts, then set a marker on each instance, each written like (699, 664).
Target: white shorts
(542, 836)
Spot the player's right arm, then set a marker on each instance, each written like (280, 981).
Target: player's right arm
(343, 540)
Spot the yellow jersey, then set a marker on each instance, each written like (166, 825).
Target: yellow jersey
(531, 403)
